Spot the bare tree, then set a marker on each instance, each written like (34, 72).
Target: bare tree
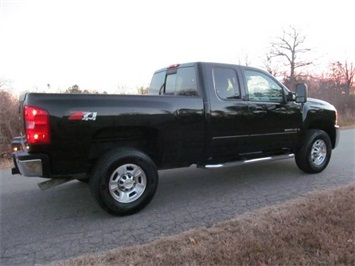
(244, 59)
(142, 90)
(342, 74)
(74, 90)
(289, 48)
(336, 76)
(4, 84)
(349, 73)
(270, 66)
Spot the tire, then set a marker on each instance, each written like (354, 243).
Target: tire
(124, 181)
(314, 155)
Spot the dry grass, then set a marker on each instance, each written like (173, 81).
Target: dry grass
(346, 120)
(316, 230)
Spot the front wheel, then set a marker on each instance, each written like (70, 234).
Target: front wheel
(124, 181)
(315, 153)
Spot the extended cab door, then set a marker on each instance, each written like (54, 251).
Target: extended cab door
(183, 139)
(227, 114)
(274, 123)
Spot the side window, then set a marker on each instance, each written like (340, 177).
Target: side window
(226, 83)
(262, 88)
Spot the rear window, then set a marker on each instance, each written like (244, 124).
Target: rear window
(157, 83)
(181, 82)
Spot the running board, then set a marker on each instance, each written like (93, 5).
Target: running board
(53, 183)
(263, 159)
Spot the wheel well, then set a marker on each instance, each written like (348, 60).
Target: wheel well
(326, 126)
(144, 139)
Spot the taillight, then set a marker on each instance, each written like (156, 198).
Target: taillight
(37, 125)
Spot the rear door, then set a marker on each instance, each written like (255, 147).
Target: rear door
(184, 140)
(227, 114)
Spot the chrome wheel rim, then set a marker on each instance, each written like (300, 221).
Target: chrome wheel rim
(319, 152)
(127, 183)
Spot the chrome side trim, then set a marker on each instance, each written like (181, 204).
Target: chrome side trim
(274, 134)
(263, 159)
(230, 137)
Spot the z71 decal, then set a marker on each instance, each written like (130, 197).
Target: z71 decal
(84, 116)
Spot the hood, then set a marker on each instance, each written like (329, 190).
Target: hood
(319, 104)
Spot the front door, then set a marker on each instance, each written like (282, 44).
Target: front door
(274, 122)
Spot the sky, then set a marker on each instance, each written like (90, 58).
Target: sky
(105, 45)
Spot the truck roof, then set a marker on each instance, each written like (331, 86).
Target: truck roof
(196, 63)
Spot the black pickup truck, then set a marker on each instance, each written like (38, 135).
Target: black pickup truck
(208, 114)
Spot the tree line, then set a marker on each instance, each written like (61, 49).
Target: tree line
(10, 125)
(285, 59)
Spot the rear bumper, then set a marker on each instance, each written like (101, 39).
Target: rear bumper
(28, 167)
(28, 164)
(31, 164)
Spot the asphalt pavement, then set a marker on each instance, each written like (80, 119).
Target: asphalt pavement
(38, 227)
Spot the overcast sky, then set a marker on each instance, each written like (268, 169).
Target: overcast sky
(100, 45)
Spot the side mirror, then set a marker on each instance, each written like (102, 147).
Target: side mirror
(301, 93)
(290, 97)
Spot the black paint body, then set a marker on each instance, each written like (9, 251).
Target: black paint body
(174, 130)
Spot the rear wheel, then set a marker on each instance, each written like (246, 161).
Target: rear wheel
(315, 153)
(124, 181)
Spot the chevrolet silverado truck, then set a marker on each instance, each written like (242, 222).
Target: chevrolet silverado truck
(205, 114)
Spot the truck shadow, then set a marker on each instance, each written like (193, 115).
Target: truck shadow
(181, 187)
(178, 189)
